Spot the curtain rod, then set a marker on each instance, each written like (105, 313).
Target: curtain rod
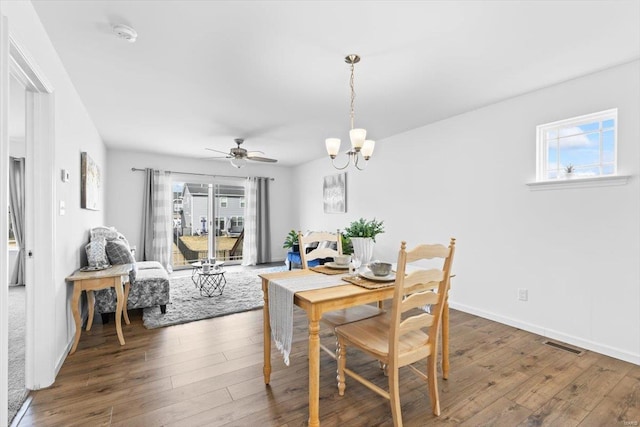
(206, 174)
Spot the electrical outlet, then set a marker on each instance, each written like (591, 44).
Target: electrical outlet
(523, 294)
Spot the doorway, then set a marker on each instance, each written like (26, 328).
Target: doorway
(208, 220)
(17, 390)
(40, 365)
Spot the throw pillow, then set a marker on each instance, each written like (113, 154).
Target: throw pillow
(96, 252)
(124, 239)
(108, 233)
(118, 252)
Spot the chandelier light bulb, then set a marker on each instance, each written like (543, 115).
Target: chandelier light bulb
(333, 146)
(367, 149)
(357, 138)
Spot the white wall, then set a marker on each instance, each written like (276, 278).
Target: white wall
(575, 250)
(74, 133)
(125, 189)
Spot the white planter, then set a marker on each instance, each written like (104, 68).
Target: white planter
(363, 248)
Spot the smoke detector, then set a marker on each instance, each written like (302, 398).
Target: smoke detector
(125, 32)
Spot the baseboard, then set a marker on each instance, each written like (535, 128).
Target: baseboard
(551, 333)
(63, 357)
(22, 411)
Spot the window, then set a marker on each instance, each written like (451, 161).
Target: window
(237, 221)
(12, 238)
(583, 147)
(224, 202)
(242, 202)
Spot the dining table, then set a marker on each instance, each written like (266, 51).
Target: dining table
(316, 302)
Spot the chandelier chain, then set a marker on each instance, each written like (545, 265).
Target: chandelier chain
(353, 94)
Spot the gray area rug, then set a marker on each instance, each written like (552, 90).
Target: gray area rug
(17, 331)
(243, 292)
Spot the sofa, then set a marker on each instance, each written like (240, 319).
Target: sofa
(149, 281)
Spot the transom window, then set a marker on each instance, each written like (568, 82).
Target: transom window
(581, 147)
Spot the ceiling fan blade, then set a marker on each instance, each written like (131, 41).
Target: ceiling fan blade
(218, 157)
(254, 153)
(261, 159)
(218, 151)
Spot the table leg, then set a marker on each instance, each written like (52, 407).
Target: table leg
(266, 367)
(75, 300)
(91, 301)
(125, 313)
(445, 340)
(194, 270)
(117, 284)
(314, 372)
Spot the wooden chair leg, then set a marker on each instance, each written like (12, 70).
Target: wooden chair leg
(445, 341)
(342, 362)
(433, 384)
(394, 397)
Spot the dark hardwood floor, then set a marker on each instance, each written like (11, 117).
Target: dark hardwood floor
(209, 373)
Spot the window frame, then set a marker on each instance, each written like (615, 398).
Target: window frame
(542, 149)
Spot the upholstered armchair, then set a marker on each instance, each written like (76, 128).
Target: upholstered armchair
(149, 281)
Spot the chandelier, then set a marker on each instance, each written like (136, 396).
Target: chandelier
(360, 146)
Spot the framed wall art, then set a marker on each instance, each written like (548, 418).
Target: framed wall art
(334, 193)
(91, 183)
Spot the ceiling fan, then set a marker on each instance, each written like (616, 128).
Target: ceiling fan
(239, 156)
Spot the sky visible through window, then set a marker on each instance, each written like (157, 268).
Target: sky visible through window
(589, 147)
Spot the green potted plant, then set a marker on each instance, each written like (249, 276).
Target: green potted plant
(362, 236)
(291, 241)
(347, 247)
(364, 228)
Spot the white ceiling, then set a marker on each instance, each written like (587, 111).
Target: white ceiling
(205, 72)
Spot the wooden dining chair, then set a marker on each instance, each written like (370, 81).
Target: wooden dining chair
(322, 250)
(407, 334)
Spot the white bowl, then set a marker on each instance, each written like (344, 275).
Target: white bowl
(342, 259)
(380, 268)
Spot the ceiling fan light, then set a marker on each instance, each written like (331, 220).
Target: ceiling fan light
(238, 162)
(333, 146)
(357, 138)
(367, 148)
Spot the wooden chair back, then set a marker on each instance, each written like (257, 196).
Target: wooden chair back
(413, 291)
(320, 251)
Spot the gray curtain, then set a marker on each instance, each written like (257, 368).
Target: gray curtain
(263, 221)
(147, 216)
(156, 218)
(16, 203)
(256, 248)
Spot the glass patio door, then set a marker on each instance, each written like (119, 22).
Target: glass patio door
(208, 220)
(229, 210)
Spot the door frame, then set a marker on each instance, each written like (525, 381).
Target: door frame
(4, 218)
(40, 224)
(40, 219)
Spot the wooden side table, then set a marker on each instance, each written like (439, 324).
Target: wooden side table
(116, 277)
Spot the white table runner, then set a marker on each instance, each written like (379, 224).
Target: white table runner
(281, 293)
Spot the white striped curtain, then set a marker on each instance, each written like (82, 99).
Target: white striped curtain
(256, 247)
(156, 221)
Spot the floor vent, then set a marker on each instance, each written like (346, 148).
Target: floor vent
(565, 347)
